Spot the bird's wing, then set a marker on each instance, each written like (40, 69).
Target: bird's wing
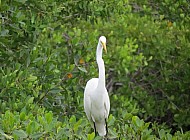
(107, 105)
(87, 106)
(90, 87)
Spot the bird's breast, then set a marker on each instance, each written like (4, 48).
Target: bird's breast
(97, 108)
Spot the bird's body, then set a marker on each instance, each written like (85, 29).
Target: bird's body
(96, 99)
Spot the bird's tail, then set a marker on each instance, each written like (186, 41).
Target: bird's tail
(101, 128)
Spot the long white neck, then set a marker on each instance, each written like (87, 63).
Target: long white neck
(101, 67)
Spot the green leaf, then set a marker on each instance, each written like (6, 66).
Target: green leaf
(20, 133)
(169, 136)
(29, 128)
(76, 125)
(22, 116)
(28, 61)
(150, 58)
(30, 100)
(91, 136)
(32, 78)
(82, 69)
(137, 121)
(112, 133)
(111, 120)
(145, 63)
(161, 133)
(55, 90)
(72, 119)
(49, 117)
(36, 135)
(127, 116)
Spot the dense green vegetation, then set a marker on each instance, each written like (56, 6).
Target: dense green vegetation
(47, 54)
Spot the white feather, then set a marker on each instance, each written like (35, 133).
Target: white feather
(96, 99)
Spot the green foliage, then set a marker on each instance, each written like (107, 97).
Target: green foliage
(44, 125)
(47, 53)
(165, 81)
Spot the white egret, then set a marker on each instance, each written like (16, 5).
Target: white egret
(96, 99)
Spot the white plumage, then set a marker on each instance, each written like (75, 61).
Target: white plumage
(96, 99)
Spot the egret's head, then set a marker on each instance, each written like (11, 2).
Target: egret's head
(102, 41)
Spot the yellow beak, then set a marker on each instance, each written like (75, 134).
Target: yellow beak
(104, 46)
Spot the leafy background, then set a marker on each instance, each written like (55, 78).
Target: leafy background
(47, 54)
